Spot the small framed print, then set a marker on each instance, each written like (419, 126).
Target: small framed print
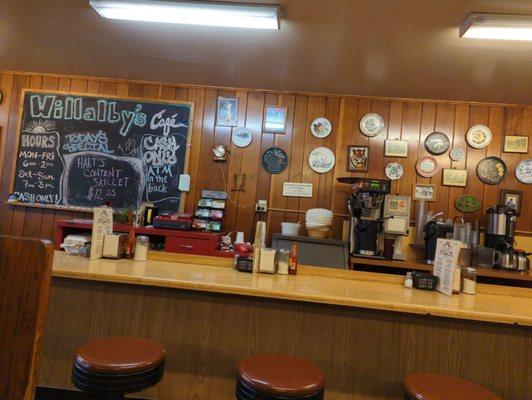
(396, 148)
(424, 192)
(227, 112)
(516, 144)
(274, 120)
(511, 199)
(357, 158)
(454, 177)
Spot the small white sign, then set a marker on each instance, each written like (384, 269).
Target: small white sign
(294, 189)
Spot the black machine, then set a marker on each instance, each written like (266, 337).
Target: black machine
(500, 230)
(434, 230)
(365, 206)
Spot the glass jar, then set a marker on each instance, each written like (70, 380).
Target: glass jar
(282, 259)
(469, 280)
(141, 248)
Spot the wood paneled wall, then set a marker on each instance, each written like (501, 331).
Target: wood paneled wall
(411, 120)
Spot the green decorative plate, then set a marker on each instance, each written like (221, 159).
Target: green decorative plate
(467, 203)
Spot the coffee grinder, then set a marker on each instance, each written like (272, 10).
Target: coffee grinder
(365, 206)
(500, 230)
(396, 221)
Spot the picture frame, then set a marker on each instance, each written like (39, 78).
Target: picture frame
(454, 177)
(515, 144)
(227, 111)
(358, 158)
(511, 199)
(423, 192)
(395, 148)
(274, 120)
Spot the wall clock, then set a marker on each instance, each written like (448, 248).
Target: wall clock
(274, 160)
(321, 160)
(371, 124)
(479, 136)
(491, 170)
(221, 152)
(437, 143)
(427, 167)
(321, 127)
(523, 171)
(394, 171)
(242, 137)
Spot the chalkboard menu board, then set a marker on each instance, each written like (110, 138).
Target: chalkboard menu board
(84, 151)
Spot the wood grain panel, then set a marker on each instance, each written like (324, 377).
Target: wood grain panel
(412, 120)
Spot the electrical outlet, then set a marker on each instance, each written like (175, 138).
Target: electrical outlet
(261, 206)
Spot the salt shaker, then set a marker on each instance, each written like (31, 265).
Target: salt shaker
(141, 248)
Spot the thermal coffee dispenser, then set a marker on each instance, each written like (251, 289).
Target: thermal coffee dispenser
(365, 206)
(500, 230)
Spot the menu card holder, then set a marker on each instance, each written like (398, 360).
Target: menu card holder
(102, 224)
(445, 262)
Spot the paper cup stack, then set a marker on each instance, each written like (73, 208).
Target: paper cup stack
(318, 222)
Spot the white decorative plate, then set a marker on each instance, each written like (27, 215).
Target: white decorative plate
(321, 127)
(457, 153)
(321, 160)
(242, 137)
(371, 124)
(479, 136)
(394, 171)
(523, 171)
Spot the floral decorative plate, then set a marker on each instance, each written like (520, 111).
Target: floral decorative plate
(394, 171)
(457, 154)
(479, 136)
(371, 124)
(523, 171)
(437, 143)
(427, 166)
(321, 127)
(491, 170)
(274, 160)
(321, 160)
(242, 137)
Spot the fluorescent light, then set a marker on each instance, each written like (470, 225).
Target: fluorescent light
(256, 16)
(497, 26)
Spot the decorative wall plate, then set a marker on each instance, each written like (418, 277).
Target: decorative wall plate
(523, 171)
(437, 143)
(457, 153)
(491, 170)
(467, 203)
(427, 166)
(274, 160)
(242, 137)
(321, 160)
(394, 171)
(321, 127)
(371, 124)
(479, 136)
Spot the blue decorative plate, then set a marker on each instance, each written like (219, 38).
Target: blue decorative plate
(274, 160)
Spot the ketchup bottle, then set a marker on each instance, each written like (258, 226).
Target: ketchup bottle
(292, 265)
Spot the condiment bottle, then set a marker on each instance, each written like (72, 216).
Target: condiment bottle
(409, 280)
(130, 244)
(141, 248)
(292, 266)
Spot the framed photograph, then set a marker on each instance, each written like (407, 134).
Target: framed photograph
(274, 120)
(454, 177)
(511, 199)
(424, 192)
(227, 112)
(357, 158)
(516, 144)
(396, 148)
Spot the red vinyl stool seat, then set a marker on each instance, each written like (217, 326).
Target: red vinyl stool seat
(427, 386)
(279, 377)
(111, 367)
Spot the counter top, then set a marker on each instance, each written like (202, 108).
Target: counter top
(317, 285)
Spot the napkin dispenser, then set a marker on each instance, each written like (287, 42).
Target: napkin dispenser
(113, 245)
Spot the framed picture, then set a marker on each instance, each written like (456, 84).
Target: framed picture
(424, 192)
(357, 158)
(227, 112)
(274, 119)
(511, 199)
(396, 148)
(454, 177)
(516, 144)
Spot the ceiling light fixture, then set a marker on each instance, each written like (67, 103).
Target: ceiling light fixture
(258, 16)
(497, 26)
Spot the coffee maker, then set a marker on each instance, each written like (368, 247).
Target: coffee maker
(500, 229)
(365, 207)
(434, 230)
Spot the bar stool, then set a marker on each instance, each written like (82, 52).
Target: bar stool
(278, 377)
(112, 367)
(425, 386)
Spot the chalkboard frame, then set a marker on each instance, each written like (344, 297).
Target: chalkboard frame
(20, 114)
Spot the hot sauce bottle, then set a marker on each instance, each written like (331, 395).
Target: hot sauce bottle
(130, 244)
(292, 265)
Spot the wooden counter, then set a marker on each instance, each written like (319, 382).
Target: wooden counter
(316, 285)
